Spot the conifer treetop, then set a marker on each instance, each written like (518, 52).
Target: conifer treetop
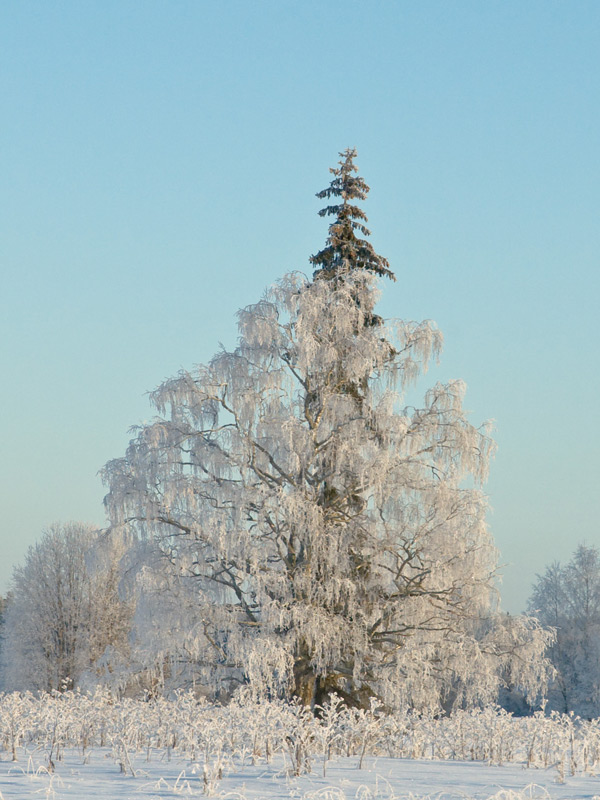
(344, 250)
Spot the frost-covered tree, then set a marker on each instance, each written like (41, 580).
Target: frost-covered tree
(567, 599)
(344, 250)
(3, 602)
(64, 610)
(305, 531)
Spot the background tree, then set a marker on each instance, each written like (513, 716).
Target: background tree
(3, 603)
(321, 536)
(64, 610)
(567, 599)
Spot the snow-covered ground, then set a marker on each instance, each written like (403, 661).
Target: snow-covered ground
(380, 779)
(161, 749)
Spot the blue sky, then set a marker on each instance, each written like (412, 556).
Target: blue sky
(159, 164)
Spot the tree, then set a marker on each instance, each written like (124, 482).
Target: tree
(567, 600)
(344, 251)
(64, 610)
(319, 536)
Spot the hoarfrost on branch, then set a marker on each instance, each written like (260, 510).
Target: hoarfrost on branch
(304, 529)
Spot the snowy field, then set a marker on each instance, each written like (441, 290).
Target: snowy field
(379, 779)
(72, 746)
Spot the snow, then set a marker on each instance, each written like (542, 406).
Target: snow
(161, 778)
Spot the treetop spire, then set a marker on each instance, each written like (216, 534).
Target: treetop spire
(344, 250)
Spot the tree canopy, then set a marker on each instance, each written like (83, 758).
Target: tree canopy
(344, 251)
(305, 531)
(64, 612)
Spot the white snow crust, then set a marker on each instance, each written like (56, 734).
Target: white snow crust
(162, 778)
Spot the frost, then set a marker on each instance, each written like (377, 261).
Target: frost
(308, 533)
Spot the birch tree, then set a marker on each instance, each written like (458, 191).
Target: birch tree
(305, 530)
(566, 598)
(63, 612)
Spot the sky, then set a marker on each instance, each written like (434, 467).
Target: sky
(159, 166)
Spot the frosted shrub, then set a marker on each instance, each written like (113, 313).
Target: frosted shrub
(17, 720)
(222, 738)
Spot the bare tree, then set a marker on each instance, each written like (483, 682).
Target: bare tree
(64, 610)
(567, 600)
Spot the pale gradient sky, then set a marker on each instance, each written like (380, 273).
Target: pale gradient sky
(159, 162)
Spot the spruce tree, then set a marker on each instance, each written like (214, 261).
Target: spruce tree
(344, 251)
